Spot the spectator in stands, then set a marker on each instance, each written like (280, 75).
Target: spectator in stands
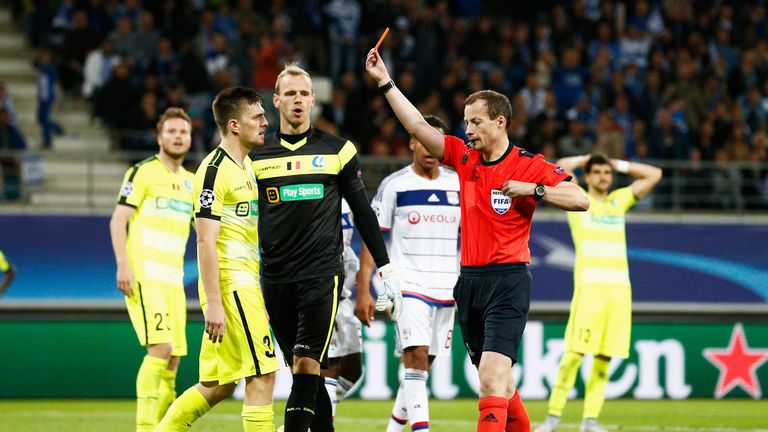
(667, 141)
(140, 133)
(10, 139)
(46, 96)
(335, 111)
(146, 39)
(604, 42)
(6, 103)
(123, 38)
(219, 56)
(78, 42)
(10, 136)
(753, 110)
(98, 69)
(343, 33)
(610, 139)
(576, 142)
(586, 112)
(533, 94)
(118, 93)
(130, 9)
(165, 63)
(569, 79)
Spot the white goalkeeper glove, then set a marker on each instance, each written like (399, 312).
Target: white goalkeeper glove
(391, 295)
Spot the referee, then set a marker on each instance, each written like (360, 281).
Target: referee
(302, 173)
(500, 187)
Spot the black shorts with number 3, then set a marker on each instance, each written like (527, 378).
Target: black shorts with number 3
(302, 314)
(493, 303)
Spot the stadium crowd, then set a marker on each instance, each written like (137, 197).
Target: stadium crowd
(673, 79)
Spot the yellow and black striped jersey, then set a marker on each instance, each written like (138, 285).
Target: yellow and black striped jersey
(159, 228)
(227, 192)
(599, 237)
(301, 183)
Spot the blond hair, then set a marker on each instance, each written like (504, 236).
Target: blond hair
(292, 69)
(172, 113)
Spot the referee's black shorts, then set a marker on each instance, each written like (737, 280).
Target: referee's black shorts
(493, 303)
(302, 314)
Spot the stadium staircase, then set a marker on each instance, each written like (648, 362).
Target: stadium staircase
(78, 171)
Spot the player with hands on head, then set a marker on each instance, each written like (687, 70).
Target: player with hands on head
(600, 320)
(501, 184)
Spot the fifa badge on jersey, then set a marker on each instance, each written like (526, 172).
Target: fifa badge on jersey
(500, 202)
(453, 197)
(126, 189)
(206, 198)
(188, 184)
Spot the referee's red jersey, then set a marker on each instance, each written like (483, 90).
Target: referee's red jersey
(494, 228)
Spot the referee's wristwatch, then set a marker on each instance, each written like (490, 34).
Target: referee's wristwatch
(539, 191)
(386, 87)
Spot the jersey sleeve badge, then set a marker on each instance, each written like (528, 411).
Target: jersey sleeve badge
(206, 198)
(126, 189)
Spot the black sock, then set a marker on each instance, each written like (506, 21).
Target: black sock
(323, 419)
(300, 407)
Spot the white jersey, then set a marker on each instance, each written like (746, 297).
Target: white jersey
(424, 217)
(351, 261)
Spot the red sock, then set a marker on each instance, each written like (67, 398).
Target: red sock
(517, 416)
(493, 414)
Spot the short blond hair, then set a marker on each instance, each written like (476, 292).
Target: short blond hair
(292, 69)
(172, 113)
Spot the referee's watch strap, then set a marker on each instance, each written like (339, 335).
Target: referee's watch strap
(386, 87)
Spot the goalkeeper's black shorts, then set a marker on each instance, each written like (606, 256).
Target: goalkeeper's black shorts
(302, 314)
(493, 303)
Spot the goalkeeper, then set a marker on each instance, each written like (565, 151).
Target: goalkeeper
(302, 174)
(601, 314)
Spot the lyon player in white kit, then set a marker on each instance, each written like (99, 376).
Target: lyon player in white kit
(419, 204)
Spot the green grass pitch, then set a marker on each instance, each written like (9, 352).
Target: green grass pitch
(698, 415)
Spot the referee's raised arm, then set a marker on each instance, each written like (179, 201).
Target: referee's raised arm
(409, 116)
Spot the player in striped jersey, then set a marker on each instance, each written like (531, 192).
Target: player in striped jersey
(345, 360)
(600, 321)
(149, 230)
(419, 204)
(238, 343)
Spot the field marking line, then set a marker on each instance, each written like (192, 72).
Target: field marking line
(383, 421)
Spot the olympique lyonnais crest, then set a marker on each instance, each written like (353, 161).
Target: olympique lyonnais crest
(453, 197)
(500, 202)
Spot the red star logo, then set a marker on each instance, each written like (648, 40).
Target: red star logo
(738, 365)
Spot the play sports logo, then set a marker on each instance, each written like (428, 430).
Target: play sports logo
(299, 192)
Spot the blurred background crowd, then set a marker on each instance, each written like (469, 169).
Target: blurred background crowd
(667, 80)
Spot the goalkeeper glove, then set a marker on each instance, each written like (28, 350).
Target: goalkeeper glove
(391, 295)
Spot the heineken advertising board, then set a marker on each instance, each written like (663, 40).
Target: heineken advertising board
(677, 361)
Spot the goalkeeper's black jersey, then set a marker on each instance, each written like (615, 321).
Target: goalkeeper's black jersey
(300, 187)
